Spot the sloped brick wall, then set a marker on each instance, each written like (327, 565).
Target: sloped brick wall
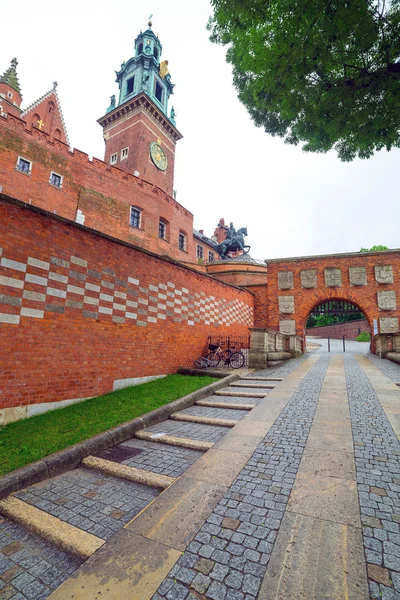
(79, 310)
(349, 330)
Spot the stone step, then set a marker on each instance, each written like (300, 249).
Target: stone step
(203, 420)
(126, 472)
(253, 378)
(53, 530)
(239, 394)
(266, 386)
(212, 404)
(174, 440)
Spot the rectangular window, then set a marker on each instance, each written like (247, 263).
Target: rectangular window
(124, 153)
(211, 256)
(24, 165)
(136, 217)
(158, 92)
(182, 241)
(9, 94)
(162, 230)
(114, 158)
(199, 251)
(56, 179)
(130, 84)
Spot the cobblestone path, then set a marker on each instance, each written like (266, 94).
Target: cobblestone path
(227, 558)
(377, 459)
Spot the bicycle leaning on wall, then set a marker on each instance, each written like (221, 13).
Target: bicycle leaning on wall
(229, 357)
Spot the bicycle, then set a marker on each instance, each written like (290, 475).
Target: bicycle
(230, 357)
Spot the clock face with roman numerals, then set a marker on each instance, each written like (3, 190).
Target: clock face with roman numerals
(158, 156)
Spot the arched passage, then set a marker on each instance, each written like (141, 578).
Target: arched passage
(337, 318)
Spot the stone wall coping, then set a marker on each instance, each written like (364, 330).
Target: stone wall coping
(10, 200)
(329, 256)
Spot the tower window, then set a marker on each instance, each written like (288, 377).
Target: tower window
(182, 241)
(24, 165)
(9, 94)
(55, 179)
(158, 92)
(130, 85)
(199, 251)
(140, 49)
(163, 229)
(136, 217)
(114, 158)
(124, 153)
(155, 53)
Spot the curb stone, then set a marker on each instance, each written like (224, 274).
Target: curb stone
(71, 457)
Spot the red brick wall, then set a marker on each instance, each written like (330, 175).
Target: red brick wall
(103, 193)
(349, 330)
(364, 296)
(79, 310)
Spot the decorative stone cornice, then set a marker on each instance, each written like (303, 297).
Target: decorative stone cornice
(141, 102)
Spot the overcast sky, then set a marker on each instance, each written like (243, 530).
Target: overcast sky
(292, 203)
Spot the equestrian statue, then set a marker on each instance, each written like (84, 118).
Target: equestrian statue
(234, 241)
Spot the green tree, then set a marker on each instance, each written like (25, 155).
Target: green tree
(324, 73)
(374, 249)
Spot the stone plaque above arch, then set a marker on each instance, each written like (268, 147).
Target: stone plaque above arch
(387, 300)
(287, 327)
(285, 280)
(308, 278)
(358, 275)
(384, 273)
(286, 304)
(389, 324)
(333, 277)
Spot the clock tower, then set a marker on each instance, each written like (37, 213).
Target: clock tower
(139, 132)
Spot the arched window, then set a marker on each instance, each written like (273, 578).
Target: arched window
(35, 120)
(50, 106)
(140, 49)
(155, 53)
(163, 229)
(57, 134)
(136, 217)
(182, 241)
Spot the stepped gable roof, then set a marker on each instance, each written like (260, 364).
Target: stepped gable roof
(50, 95)
(10, 76)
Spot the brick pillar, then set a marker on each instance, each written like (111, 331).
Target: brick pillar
(258, 353)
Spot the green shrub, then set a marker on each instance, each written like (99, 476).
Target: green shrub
(363, 337)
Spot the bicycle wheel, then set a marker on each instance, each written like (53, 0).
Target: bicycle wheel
(236, 360)
(214, 359)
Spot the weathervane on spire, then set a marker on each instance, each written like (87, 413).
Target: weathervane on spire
(150, 23)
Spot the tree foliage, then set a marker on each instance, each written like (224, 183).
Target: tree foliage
(374, 249)
(324, 73)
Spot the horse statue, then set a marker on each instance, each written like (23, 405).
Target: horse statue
(234, 241)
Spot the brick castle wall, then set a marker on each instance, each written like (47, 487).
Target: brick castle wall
(102, 192)
(365, 296)
(349, 330)
(79, 310)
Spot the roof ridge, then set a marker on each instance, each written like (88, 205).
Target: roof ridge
(39, 100)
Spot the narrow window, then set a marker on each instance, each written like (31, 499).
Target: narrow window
(158, 92)
(114, 158)
(136, 217)
(124, 153)
(130, 85)
(182, 241)
(162, 230)
(211, 256)
(140, 49)
(9, 94)
(155, 53)
(56, 179)
(23, 165)
(199, 251)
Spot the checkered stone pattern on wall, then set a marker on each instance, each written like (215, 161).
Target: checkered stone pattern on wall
(36, 287)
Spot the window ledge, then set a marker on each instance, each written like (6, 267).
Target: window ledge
(23, 172)
(58, 187)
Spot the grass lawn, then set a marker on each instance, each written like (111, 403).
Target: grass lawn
(25, 441)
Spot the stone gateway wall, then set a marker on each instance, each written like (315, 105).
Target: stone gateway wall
(79, 310)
